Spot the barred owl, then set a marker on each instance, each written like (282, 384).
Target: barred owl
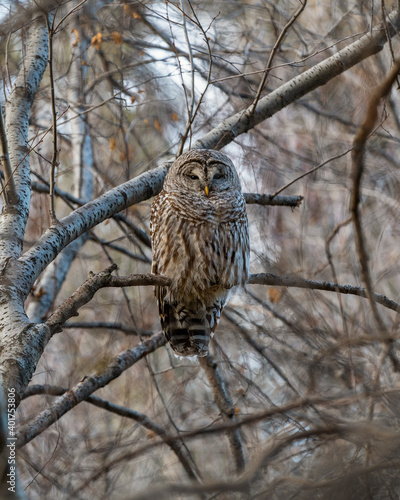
(200, 240)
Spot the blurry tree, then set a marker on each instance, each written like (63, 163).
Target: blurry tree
(298, 397)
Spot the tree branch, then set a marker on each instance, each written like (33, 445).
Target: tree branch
(95, 282)
(243, 121)
(296, 282)
(86, 387)
(18, 106)
(141, 418)
(9, 190)
(272, 200)
(86, 217)
(225, 406)
(357, 170)
(50, 31)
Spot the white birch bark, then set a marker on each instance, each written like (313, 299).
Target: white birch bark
(16, 342)
(18, 106)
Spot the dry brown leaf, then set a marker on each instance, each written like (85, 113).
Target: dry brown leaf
(151, 434)
(96, 40)
(116, 37)
(77, 39)
(274, 294)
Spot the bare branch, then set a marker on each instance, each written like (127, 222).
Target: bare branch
(357, 172)
(296, 282)
(10, 192)
(54, 163)
(225, 406)
(275, 48)
(86, 217)
(141, 418)
(127, 330)
(294, 89)
(312, 170)
(273, 200)
(86, 387)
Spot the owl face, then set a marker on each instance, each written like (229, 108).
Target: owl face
(204, 172)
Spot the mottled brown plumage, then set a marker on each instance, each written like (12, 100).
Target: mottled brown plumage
(200, 240)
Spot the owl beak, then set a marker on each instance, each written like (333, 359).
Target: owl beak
(207, 191)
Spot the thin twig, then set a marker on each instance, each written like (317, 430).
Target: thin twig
(193, 114)
(10, 194)
(72, 11)
(141, 418)
(86, 387)
(54, 163)
(192, 73)
(314, 169)
(274, 51)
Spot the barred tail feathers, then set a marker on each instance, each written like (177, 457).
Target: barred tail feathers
(187, 331)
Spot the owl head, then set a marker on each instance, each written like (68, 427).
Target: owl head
(203, 171)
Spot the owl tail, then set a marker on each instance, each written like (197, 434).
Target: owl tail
(191, 340)
(188, 331)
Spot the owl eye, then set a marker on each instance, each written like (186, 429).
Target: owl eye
(193, 177)
(219, 176)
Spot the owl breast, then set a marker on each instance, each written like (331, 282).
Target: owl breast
(205, 255)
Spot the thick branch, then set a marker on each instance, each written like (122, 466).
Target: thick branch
(36, 259)
(270, 199)
(18, 107)
(9, 190)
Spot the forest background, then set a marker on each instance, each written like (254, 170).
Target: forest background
(298, 397)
